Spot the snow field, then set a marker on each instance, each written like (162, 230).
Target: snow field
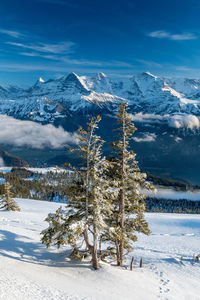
(30, 271)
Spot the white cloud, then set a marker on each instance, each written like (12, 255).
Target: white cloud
(59, 52)
(12, 33)
(172, 194)
(62, 47)
(147, 118)
(175, 121)
(35, 54)
(146, 137)
(187, 121)
(80, 62)
(64, 59)
(60, 65)
(27, 133)
(14, 67)
(162, 34)
(149, 63)
(183, 36)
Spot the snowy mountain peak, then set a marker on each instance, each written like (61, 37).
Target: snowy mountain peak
(100, 76)
(150, 74)
(41, 80)
(145, 92)
(72, 75)
(73, 81)
(147, 75)
(100, 83)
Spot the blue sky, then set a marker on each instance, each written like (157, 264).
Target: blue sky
(50, 38)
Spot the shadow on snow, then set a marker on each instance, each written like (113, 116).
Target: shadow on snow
(21, 248)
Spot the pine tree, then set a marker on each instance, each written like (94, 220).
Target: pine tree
(6, 201)
(88, 199)
(126, 180)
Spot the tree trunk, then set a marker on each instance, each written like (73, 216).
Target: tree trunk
(121, 242)
(121, 204)
(92, 250)
(100, 253)
(131, 264)
(141, 263)
(117, 252)
(121, 253)
(95, 261)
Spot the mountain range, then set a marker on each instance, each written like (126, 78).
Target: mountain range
(166, 112)
(53, 99)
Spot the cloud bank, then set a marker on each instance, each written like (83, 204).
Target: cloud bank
(174, 121)
(146, 137)
(172, 194)
(189, 121)
(34, 135)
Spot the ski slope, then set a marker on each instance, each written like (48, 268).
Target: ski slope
(30, 271)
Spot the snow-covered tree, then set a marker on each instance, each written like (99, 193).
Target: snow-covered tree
(7, 202)
(88, 199)
(126, 180)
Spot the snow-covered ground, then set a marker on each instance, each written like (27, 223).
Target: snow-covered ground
(47, 170)
(30, 271)
(36, 170)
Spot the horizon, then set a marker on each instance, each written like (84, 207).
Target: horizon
(51, 38)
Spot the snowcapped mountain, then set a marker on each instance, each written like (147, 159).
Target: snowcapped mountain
(48, 100)
(166, 112)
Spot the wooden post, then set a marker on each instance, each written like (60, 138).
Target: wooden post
(131, 264)
(141, 263)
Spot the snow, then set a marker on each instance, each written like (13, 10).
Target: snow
(37, 170)
(47, 170)
(41, 79)
(30, 271)
(144, 92)
(5, 169)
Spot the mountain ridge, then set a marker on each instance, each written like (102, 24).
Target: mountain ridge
(46, 101)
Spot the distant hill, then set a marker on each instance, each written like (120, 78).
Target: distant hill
(10, 160)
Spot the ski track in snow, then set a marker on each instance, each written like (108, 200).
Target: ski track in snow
(30, 271)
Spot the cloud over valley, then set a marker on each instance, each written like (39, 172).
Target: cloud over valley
(174, 121)
(34, 135)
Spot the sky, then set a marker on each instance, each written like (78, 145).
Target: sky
(51, 38)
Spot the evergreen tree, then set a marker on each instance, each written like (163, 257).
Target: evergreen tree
(88, 199)
(6, 201)
(126, 180)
